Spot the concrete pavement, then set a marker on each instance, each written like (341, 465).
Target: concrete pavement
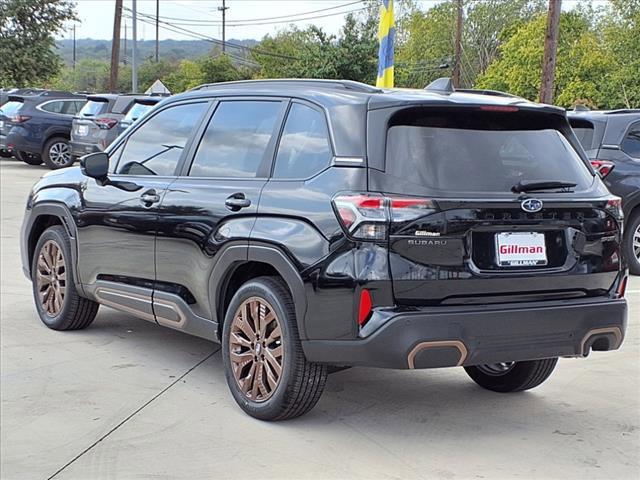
(125, 399)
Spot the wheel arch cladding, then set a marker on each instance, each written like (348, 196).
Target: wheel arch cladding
(259, 261)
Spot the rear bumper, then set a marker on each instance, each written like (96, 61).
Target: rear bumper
(3, 143)
(78, 149)
(18, 141)
(454, 336)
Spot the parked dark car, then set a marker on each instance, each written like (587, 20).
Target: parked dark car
(612, 142)
(95, 126)
(309, 224)
(38, 130)
(141, 106)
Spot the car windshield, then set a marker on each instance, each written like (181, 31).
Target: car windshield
(137, 111)
(478, 152)
(93, 108)
(10, 108)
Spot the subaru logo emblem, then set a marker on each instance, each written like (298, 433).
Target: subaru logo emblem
(531, 205)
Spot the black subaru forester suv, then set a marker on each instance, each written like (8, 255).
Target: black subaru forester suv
(309, 225)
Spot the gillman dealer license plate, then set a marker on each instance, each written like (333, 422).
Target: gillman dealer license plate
(521, 249)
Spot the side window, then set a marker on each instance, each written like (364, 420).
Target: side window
(71, 107)
(236, 139)
(53, 107)
(631, 143)
(156, 147)
(304, 148)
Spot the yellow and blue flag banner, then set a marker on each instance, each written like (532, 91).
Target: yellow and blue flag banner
(386, 35)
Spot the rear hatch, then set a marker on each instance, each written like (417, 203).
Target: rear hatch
(85, 129)
(475, 219)
(9, 111)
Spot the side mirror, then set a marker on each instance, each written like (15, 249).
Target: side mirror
(95, 165)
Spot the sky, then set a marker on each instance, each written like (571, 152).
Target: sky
(203, 17)
(96, 17)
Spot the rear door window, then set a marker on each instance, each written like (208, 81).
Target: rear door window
(93, 108)
(304, 148)
(451, 153)
(631, 143)
(235, 142)
(584, 131)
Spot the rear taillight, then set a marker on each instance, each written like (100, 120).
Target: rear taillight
(614, 207)
(367, 216)
(20, 118)
(603, 167)
(106, 123)
(622, 287)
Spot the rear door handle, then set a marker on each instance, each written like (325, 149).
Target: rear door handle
(150, 197)
(237, 201)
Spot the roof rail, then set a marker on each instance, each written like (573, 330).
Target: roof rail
(443, 84)
(622, 110)
(301, 82)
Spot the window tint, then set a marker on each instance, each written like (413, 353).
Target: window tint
(11, 107)
(155, 148)
(73, 107)
(53, 107)
(473, 152)
(236, 139)
(304, 147)
(584, 132)
(631, 143)
(93, 108)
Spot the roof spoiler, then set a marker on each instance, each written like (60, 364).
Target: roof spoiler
(443, 84)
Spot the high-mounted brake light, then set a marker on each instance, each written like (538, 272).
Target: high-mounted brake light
(498, 108)
(366, 216)
(603, 167)
(106, 123)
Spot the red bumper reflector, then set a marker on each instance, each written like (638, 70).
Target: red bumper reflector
(365, 307)
(622, 287)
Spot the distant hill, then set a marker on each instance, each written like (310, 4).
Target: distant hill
(88, 48)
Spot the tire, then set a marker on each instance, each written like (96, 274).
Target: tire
(28, 158)
(69, 311)
(513, 376)
(632, 242)
(300, 384)
(57, 153)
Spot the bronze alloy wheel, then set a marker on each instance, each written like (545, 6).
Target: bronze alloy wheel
(255, 349)
(51, 278)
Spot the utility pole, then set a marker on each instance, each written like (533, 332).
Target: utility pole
(223, 9)
(157, 27)
(115, 47)
(74, 46)
(134, 49)
(124, 53)
(550, 51)
(457, 46)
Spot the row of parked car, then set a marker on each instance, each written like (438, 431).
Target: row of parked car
(57, 127)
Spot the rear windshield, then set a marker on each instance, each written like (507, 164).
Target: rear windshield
(93, 108)
(584, 132)
(10, 108)
(137, 111)
(479, 152)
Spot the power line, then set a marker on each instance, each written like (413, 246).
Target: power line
(250, 21)
(217, 41)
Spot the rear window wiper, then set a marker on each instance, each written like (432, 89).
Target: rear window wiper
(529, 186)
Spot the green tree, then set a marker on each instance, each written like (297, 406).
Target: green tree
(583, 68)
(221, 69)
(27, 28)
(187, 75)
